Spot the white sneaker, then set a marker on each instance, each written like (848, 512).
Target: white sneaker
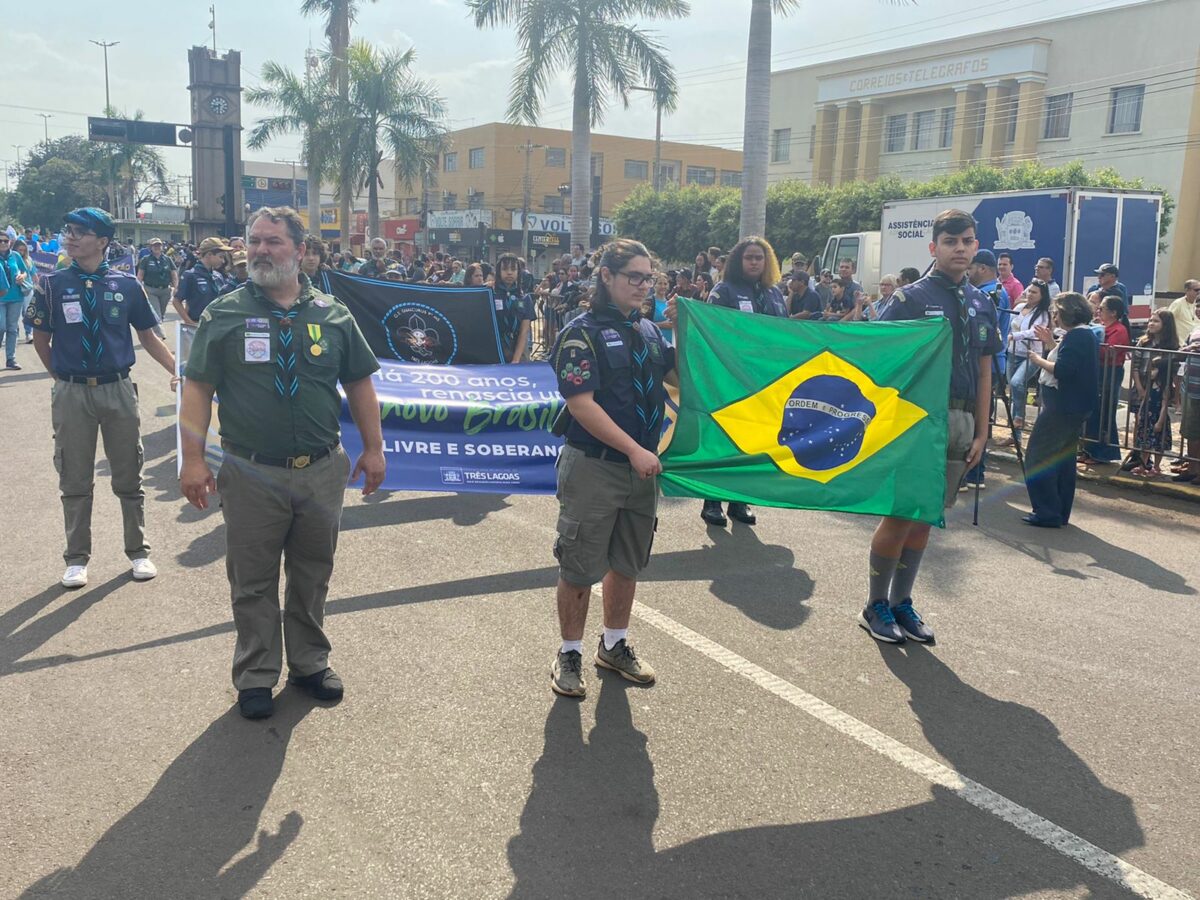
(75, 577)
(143, 569)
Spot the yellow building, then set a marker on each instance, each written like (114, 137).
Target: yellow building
(484, 168)
(1114, 87)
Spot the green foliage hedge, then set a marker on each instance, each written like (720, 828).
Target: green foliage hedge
(678, 222)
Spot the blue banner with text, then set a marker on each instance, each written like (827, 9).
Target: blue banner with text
(482, 429)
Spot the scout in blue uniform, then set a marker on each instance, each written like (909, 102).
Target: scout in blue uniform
(610, 364)
(201, 284)
(514, 308)
(749, 285)
(946, 292)
(81, 318)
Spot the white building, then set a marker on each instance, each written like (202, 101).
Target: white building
(1112, 88)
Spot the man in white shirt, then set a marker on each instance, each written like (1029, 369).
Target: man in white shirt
(1186, 310)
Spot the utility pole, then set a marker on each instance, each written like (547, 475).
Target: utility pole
(17, 147)
(657, 179)
(105, 45)
(46, 117)
(528, 149)
(5, 163)
(295, 194)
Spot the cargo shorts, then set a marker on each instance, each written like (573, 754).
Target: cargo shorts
(960, 434)
(606, 518)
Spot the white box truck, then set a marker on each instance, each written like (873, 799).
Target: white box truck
(1079, 228)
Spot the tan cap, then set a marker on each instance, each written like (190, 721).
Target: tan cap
(239, 257)
(213, 243)
(154, 241)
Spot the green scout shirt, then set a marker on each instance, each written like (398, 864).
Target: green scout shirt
(277, 384)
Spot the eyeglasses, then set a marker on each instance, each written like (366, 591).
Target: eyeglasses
(76, 231)
(637, 279)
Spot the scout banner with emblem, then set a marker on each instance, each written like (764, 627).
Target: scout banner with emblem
(811, 415)
(421, 323)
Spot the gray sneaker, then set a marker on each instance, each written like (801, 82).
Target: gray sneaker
(566, 675)
(622, 659)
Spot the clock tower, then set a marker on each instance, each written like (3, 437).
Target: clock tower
(216, 86)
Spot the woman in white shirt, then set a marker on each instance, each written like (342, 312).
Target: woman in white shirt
(1028, 316)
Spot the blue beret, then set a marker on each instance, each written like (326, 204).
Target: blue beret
(94, 219)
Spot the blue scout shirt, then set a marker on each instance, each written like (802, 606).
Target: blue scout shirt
(623, 360)
(972, 318)
(90, 316)
(198, 287)
(749, 298)
(513, 306)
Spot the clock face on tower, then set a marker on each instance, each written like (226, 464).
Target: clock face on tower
(218, 104)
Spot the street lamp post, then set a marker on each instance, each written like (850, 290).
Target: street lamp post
(106, 45)
(46, 117)
(657, 133)
(18, 148)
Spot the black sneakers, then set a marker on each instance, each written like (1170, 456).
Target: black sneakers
(256, 703)
(323, 685)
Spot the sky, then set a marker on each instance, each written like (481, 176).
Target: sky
(53, 68)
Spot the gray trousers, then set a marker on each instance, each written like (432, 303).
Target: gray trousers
(78, 412)
(295, 514)
(160, 299)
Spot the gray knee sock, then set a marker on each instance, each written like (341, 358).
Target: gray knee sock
(906, 575)
(882, 569)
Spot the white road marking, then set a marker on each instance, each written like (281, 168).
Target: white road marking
(1057, 838)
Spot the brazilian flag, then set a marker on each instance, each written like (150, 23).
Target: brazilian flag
(811, 415)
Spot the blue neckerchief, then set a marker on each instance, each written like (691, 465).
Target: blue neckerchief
(93, 345)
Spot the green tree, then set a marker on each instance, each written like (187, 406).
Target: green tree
(392, 112)
(305, 106)
(49, 191)
(590, 39)
(339, 15)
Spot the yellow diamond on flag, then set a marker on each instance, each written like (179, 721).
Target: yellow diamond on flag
(820, 419)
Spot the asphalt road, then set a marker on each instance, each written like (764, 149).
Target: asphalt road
(1046, 747)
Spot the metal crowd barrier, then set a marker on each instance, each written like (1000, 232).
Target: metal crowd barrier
(1129, 406)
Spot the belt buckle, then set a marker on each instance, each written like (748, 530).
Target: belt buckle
(299, 462)
(92, 382)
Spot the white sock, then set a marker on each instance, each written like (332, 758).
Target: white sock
(568, 646)
(613, 635)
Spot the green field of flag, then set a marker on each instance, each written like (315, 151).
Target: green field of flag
(811, 415)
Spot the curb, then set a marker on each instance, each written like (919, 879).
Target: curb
(1111, 475)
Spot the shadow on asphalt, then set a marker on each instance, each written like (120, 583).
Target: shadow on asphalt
(203, 812)
(461, 509)
(1041, 544)
(15, 644)
(758, 579)
(587, 830)
(40, 374)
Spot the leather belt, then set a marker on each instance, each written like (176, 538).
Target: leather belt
(281, 462)
(595, 451)
(93, 380)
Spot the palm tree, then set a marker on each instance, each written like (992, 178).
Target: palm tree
(757, 127)
(389, 112)
(590, 39)
(339, 16)
(306, 105)
(758, 116)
